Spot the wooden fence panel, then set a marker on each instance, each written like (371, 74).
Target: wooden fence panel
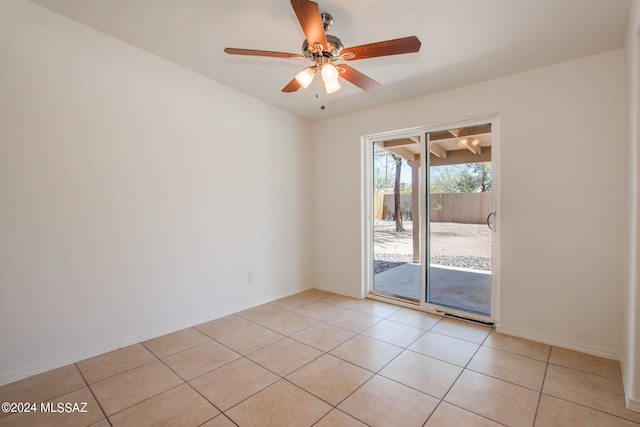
(464, 208)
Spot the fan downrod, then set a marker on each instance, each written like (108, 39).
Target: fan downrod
(327, 20)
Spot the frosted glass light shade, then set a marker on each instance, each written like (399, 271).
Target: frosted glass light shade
(329, 73)
(305, 77)
(331, 87)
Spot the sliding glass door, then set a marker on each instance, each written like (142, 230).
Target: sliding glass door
(431, 218)
(396, 218)
(459, 176)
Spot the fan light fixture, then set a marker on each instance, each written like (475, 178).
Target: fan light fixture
(305, 77)
(325, 50)
(329, 73)
(330, 76)
(332, 87)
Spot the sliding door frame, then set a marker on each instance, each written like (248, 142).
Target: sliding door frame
(368, 214)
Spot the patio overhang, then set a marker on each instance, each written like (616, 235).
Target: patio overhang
(449, 147)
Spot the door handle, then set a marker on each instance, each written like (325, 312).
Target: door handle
(489, 220)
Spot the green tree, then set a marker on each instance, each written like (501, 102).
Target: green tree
(466, 178)
(484, 174)
(467, 181)
(383, 165)
(444, 179)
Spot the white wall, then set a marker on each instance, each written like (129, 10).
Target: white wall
(563, 147)
(631, 340)
(135, 195)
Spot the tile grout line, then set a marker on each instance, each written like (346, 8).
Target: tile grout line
(243, 356)
(544, 379)
(502, 379)
(585, 372)
(327, 352)
(339, 410)
(93, 394)
(464, 368)
(591, 408)
(158, 359)
(146, 399)
(221, 412)
(377, 373)
(373, 374)
(550, 363)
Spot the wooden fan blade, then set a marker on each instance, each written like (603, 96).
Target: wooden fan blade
(308, 14)
(292, 86)
(357, 78)
(386, 48)
(252, 52)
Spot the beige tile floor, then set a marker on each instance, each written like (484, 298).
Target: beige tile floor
(325, 360)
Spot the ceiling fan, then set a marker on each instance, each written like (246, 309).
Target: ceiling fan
(324, 50)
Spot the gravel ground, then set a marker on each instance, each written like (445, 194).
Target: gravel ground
(475, 263)
(454, 245)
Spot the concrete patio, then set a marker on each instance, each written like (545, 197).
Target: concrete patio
(464, 289)
(464, 284)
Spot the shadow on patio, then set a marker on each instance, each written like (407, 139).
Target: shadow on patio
(464, 289)
(460, 265)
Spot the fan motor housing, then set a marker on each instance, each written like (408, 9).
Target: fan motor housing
(335, 47)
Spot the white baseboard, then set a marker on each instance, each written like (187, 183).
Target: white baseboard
(339, 291)
(633, 404)
(57, 363)
(133, 339)
(174, 327)
(147, 335)
(630, 402)
(554, 341)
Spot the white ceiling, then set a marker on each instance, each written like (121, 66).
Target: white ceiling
(463, 41)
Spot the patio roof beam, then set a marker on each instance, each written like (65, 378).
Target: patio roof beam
(475, 150)
(396, 143)
(403, 152)
(458, 157)
(437, 150)
(470, 131)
